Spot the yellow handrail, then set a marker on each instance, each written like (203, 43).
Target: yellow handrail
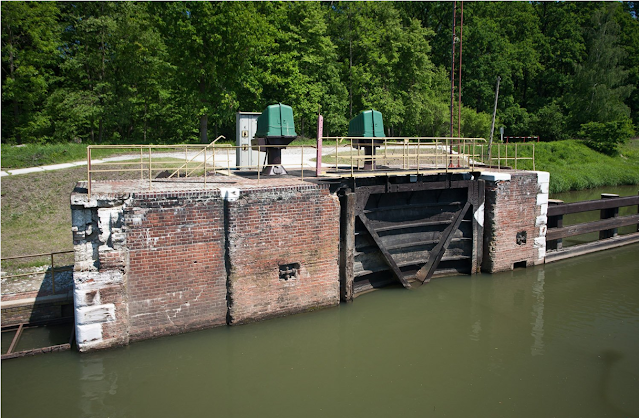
(185, 166)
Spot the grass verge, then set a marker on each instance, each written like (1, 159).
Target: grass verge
(36, 215)
(34, 155)
(574, 166)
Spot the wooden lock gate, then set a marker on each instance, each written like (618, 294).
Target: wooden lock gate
(408, 229)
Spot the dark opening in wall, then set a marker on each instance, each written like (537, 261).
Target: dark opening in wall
(519, 265)
(521, 237)
(288, 271)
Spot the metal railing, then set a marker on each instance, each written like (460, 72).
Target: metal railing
(509, 160)
(53, 269)
(198, 166)
(369, 155)
(183, 161)
(353, 157)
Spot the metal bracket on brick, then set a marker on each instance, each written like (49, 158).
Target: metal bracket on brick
(288, 271)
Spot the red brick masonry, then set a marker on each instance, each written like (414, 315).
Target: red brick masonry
(173, 261)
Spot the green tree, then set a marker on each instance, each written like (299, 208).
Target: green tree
(30, 38)
(213, 46)
(600, 87)
(301, 67)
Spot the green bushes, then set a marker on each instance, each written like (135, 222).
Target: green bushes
(607, 136)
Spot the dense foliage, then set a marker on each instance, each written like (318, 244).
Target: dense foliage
(160, 72)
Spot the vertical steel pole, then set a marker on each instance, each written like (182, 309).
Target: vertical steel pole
(452, 83)
(452, 71)
(492, 126)
(459, 89)
(89, 171)
(52, 276)
(318, 157)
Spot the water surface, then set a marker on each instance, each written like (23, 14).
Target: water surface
(557, 340)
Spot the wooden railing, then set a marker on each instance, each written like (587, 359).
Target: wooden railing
(607, 226)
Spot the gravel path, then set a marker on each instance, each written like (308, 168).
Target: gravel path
(38, 280)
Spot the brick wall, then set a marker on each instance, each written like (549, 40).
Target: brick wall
(33, 312)
(283, 248)
(515, 219)
(176, 271)
(153, 264)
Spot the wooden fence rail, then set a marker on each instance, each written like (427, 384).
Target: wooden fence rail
(607, 225)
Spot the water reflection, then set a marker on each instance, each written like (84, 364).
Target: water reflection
(537, 333)
(96, 386)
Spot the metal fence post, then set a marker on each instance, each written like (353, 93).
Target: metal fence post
(52, 275)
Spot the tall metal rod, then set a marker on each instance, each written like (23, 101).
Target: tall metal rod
(52, 276)
(459, 78)
(452, 72)
(89, 171)
(492, 126)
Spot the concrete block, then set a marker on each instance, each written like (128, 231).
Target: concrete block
(86, 297)
(89, 333)
(543, 176)
(541, 220)
(95, 314)
(543, 209)
(495, 176)
(544, 188)
(542, 199)
(94, 279)
(540, 242)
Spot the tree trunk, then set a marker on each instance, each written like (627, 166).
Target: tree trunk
(100, 131)
(204, 139)
(145, 121)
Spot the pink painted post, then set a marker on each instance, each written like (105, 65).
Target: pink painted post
(320, 133)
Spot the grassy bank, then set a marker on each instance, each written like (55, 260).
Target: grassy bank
(574, 166)
(36, 215)
(34, 155)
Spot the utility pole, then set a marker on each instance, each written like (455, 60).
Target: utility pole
(492, 126)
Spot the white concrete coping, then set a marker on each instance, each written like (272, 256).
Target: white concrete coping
(543, 176)
(3, 173)
(495, 176)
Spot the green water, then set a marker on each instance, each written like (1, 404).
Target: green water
(558, 340)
